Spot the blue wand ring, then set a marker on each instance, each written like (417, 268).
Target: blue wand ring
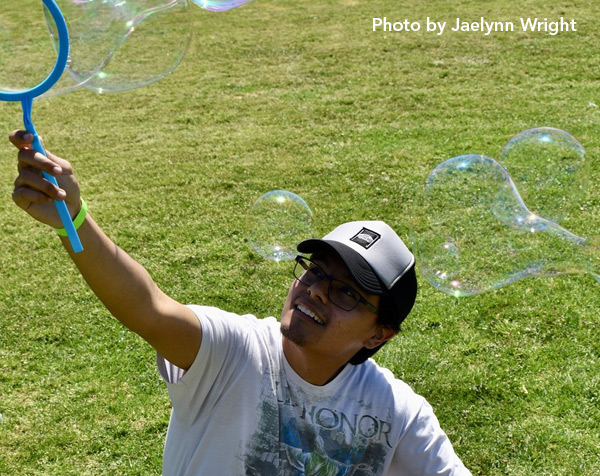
(26, 98)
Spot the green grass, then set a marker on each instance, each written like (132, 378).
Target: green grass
(304, 96)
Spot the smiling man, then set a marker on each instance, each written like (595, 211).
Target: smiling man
(340, 289)
(263, 397)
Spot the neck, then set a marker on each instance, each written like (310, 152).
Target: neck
(313, 369)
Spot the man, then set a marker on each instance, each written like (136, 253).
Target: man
(257, 396)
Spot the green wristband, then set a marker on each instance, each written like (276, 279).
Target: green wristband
(78, 221)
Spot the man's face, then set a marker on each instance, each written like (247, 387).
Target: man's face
(310, 322)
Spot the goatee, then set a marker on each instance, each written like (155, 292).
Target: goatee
(293, 335)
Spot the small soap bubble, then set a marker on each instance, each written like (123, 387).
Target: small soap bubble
(278, 221)
(547, 166)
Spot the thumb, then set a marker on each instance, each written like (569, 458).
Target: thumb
(21, 139)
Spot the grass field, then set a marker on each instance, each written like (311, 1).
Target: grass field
(305, 96)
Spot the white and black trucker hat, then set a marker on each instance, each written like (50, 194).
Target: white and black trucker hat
(376, 257)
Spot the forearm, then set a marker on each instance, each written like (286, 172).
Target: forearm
(122, 284)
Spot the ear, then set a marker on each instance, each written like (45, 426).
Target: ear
(383, 334)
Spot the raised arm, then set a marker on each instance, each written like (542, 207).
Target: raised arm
(122, 284)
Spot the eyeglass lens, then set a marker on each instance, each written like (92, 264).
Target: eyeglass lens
(340, 293)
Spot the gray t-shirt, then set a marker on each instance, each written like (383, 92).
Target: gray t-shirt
(241, 410)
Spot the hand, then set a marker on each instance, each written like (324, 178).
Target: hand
(32, 192)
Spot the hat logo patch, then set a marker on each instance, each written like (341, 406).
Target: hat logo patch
(365, 238)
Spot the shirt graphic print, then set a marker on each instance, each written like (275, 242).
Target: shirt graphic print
(301, 434)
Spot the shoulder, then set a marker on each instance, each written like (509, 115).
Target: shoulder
(228, 340)
(219, 317)
(220, 325)
(381, 381)
(381, 376)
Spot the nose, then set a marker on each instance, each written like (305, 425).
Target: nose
(319, 290)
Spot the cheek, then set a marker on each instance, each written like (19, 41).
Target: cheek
(287, 305)
(353, 329)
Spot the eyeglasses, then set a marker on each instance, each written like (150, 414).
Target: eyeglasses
(339, 293)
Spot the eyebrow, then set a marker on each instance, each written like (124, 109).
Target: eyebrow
(325, 258)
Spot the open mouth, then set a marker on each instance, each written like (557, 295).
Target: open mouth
(310, 314)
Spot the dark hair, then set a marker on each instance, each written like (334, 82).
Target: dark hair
(393, 309)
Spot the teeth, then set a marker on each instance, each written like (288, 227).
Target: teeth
(309, 313)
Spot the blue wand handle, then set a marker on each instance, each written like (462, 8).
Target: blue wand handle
(61, 207)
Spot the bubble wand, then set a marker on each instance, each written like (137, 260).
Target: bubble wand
(26, 98)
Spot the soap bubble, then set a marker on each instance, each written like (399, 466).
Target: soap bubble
(118, 45)
(220, 5)
(477, 234)
(547, 166)
(279, 220)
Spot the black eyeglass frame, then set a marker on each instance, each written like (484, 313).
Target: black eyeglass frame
(302, 260)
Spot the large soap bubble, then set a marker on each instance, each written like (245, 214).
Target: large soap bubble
(547, 166)
(118, 45)
(220, 5)
(278, 221)
(477, 234)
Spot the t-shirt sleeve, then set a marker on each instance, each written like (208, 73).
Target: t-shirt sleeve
(226, 350)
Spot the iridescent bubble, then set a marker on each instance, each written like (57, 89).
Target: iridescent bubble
(220, 5)
(278, 221)
(477, 234)
(118, 45)
(548, 167)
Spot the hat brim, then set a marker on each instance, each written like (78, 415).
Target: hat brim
(360, 270)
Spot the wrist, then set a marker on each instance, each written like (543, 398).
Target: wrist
(77, 221)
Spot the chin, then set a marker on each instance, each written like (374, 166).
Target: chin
(292, 333)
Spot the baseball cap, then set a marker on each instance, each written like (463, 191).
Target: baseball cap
(377, 258)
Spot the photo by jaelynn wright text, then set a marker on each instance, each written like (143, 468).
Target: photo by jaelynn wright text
(481, 26)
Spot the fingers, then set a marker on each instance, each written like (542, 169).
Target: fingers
(24, 197)
(49, 163)
(33, 191)
(29, 179)
(32, 160)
